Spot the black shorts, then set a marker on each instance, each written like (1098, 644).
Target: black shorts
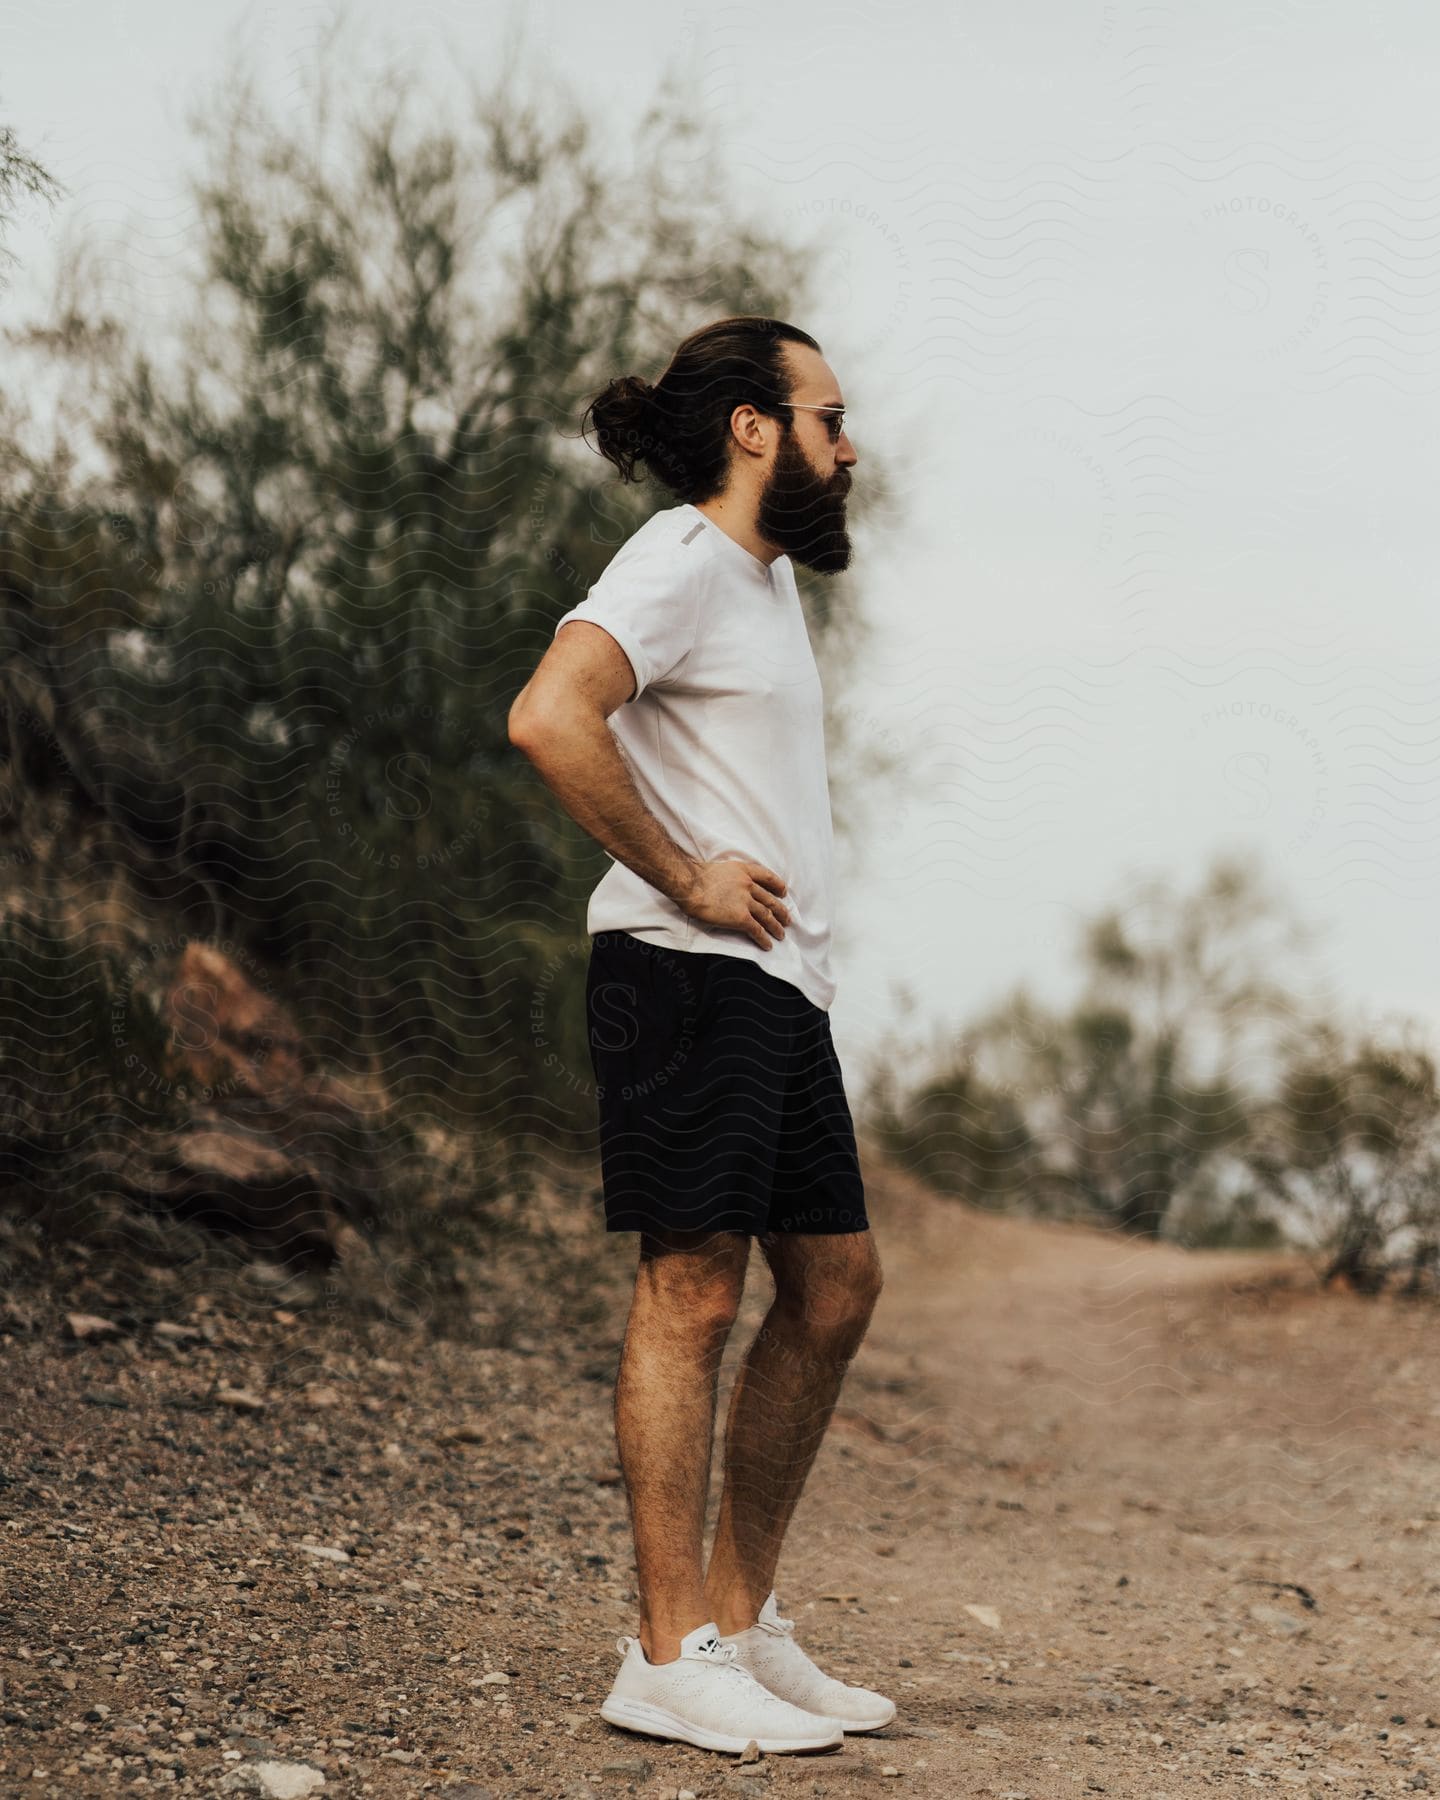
(721, 1101)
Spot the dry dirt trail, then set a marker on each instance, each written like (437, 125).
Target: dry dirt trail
(1194, 1499)
(1138, 1457)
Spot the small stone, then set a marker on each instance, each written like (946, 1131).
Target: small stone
(635, 1766)
(85, 1327)
(751, 1752)
(274, 1780)
(241, 1399)
(460, 1434)
(170, 1333)
(987, 1615)
(1285, 1623)
(328, 1552)
(889, 1769)
(496, 1678)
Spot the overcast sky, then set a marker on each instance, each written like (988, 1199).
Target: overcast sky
(1145, 297)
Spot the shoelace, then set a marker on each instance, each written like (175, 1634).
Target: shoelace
(780, 1627)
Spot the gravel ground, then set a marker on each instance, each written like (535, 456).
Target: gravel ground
(1103, 1518)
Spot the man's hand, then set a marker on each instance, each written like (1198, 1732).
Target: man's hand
(741, 895)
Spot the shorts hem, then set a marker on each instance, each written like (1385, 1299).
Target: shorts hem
(808, 1229)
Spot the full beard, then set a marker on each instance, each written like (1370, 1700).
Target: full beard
(804, 515)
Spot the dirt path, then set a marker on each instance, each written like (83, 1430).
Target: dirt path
(1135, 1456)
(1144, 1461)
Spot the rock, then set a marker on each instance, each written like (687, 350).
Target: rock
(170, 1333)
(635, 1766)
(86, 1327)
(987, 1615)
(220, 1172)
(240, 1398)
(1285, 1623)
(274, 1780)
(751, 1752)
(496, 1678)
(329, 1552)
(286, 1153)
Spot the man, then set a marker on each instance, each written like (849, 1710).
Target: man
(722, 1108)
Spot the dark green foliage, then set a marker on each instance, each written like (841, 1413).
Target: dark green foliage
(84, 1056)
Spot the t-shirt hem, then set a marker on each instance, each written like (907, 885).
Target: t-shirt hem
(666, 938)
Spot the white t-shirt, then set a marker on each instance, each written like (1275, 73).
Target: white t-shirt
(724, 735)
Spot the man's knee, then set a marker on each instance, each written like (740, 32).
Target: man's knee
(829, 1285)
(697, 1277)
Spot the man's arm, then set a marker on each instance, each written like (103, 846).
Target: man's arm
(558, 720)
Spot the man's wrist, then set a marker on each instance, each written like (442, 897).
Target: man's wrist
(684, 888)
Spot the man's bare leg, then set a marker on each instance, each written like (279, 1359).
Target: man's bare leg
(826, 1286)
(687, 1292)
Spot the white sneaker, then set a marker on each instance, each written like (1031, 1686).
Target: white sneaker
(769, 1651)
(707, 1699)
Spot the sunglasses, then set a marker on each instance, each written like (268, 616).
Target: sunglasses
(836, 424)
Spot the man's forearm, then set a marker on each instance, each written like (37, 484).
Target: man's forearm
(582, 766)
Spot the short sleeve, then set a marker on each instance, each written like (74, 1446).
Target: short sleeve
(650, 604)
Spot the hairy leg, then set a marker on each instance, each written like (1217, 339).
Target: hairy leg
(687, 1291)
(826, 1286)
